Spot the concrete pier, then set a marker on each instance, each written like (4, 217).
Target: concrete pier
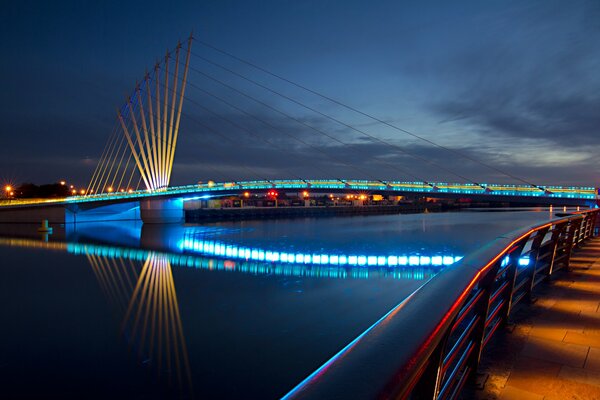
(162, 211)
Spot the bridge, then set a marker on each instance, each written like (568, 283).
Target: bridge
(133, 174)
(143, 204)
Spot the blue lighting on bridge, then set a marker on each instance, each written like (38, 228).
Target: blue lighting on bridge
(205, 191)
(203, 197)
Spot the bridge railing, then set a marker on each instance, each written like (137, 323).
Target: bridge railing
(428, 346)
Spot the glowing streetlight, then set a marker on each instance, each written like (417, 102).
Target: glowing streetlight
(110, 189)
(63, 183)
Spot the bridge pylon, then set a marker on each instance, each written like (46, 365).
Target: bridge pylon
(145, 136)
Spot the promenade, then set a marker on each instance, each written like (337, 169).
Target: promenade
(553, 349)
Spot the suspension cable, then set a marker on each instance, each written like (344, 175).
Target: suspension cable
(370, 116)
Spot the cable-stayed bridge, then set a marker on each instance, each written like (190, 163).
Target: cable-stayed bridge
(136, 164)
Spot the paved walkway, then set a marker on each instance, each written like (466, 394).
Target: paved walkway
(553, 350)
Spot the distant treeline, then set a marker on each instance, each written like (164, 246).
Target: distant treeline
(29, 190)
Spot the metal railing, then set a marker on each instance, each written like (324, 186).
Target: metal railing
(429, 345)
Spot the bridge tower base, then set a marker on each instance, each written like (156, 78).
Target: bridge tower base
(162, 211)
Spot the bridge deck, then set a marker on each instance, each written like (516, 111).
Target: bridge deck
(553, 352)
(504, 192)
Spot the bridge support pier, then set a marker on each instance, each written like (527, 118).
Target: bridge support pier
(162, 211)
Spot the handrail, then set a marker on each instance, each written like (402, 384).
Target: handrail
(430, 344)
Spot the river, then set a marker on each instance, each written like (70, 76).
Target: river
(222, 310)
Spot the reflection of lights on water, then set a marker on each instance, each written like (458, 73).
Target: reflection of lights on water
(151, 320)
(232, 251)
(343, 270)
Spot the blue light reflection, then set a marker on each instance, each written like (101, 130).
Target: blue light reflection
(210, 247)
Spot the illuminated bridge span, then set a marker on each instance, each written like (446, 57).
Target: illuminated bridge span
(437, 189)
(166, 205)
(568, 195)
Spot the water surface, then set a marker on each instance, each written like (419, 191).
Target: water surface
(130, 311)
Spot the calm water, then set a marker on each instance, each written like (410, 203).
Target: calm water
(131, 311)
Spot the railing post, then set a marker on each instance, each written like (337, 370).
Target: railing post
(582, 229)
(512, 268)
(533, 264)
(571, 240)
(592, 215)
(482, 309)
(557, 233)
(428, 386)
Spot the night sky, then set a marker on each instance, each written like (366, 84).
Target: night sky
(513, 83)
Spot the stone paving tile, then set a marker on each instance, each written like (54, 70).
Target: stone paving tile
(577, 305)
(586, 286)
(589, 377)
(532, 375)
(550, 332)
(555, 351)
(570, 321)
(513, 393)
(545, 302)
(593, 359)
(587, 338)
(590, 321)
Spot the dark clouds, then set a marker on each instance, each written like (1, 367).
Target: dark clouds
(572, 122)
(514, 84)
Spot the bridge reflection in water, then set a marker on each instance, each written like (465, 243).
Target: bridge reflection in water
(137, 279)
(147, 302)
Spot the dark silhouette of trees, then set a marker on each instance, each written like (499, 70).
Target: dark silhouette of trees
(29, 190)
